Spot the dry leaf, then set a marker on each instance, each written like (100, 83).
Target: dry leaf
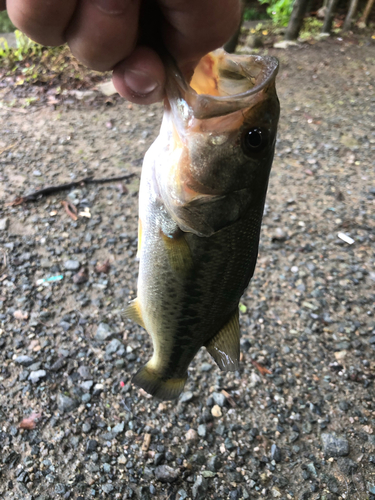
(230, 400)
(81, 277)
(103, 268)
(262, 369)
(146, 442)
(70, 209)
(30, 422)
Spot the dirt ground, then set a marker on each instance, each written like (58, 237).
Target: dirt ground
(298, 420)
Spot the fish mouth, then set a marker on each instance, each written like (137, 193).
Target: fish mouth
(222, 83)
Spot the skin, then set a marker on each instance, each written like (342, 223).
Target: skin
(104, 35)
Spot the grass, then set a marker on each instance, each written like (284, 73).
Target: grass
(5, 23)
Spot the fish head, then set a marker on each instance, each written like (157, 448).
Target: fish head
(221, 131)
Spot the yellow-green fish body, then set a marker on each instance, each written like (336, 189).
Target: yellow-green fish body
(202, 194)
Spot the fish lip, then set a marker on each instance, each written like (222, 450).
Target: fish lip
(203, 106)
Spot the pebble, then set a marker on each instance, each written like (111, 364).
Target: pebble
(113, 346)
(91, 445)
(191, 435)
(216, 411)
(65, 403)
(35, 376)
(86, 386)
(166, 474)
(205, 367)
(335, 446)
(118, 428)
(186, 396)
(202, 430)
(199, 488)
(103, 332)
(275, 453)
(4, 222)
(24, 360)
(219, 399)
(72, 265)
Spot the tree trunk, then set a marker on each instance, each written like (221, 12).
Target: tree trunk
(231, 44)
(366, 13)
(296, 19)
(327, 25)
(349, 17)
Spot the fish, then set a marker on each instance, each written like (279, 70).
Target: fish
(201, 200)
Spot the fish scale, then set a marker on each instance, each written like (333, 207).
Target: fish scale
(202, 194)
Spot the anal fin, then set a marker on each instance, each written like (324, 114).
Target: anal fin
(150, 381)
(133, 312)
(224, 347)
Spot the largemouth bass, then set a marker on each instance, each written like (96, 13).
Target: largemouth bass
(202, 194)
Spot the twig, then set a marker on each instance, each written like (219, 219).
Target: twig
(64, 187)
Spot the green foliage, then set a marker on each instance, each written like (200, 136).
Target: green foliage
(311, 26)
(252, 14)
(279, 10)
(5, 23)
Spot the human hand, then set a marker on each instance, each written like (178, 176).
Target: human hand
(104, 35)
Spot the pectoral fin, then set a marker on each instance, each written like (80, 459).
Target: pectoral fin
(133, 312)
(225, 346)
(178, 250)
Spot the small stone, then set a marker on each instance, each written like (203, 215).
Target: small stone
(86, 386)
(117, 429)
(216, 411)
(108, 488)
(86, 427)
(84, 372)
(335, 446)
(65, 403)
(72, 265)
(191, 435)
(205, 367)
(4, 222)
(275, 492)
(24, 360)
(275, 453)
(181, 495)
(214, 463)
(35, 376)
(202, 430)
(199, 488)
(166, 474)
(186, 396)
(103, 332)
(92, 445)
(60, 489)
(347, 466)
(37, 173)
(293, 437)
(219, 398)
(113, 346)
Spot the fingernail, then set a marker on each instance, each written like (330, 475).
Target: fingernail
(140, 84)
(111, 6)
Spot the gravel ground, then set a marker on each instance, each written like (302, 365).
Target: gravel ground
(298, 420)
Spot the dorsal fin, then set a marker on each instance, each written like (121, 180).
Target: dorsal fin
(225, 346)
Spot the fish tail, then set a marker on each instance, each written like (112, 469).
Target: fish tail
(165, 389)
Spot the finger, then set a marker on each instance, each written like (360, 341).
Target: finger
(44, 22)
(197, 27)
(141, 77)
(103, 32)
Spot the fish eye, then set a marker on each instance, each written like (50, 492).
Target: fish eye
(253, 140)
